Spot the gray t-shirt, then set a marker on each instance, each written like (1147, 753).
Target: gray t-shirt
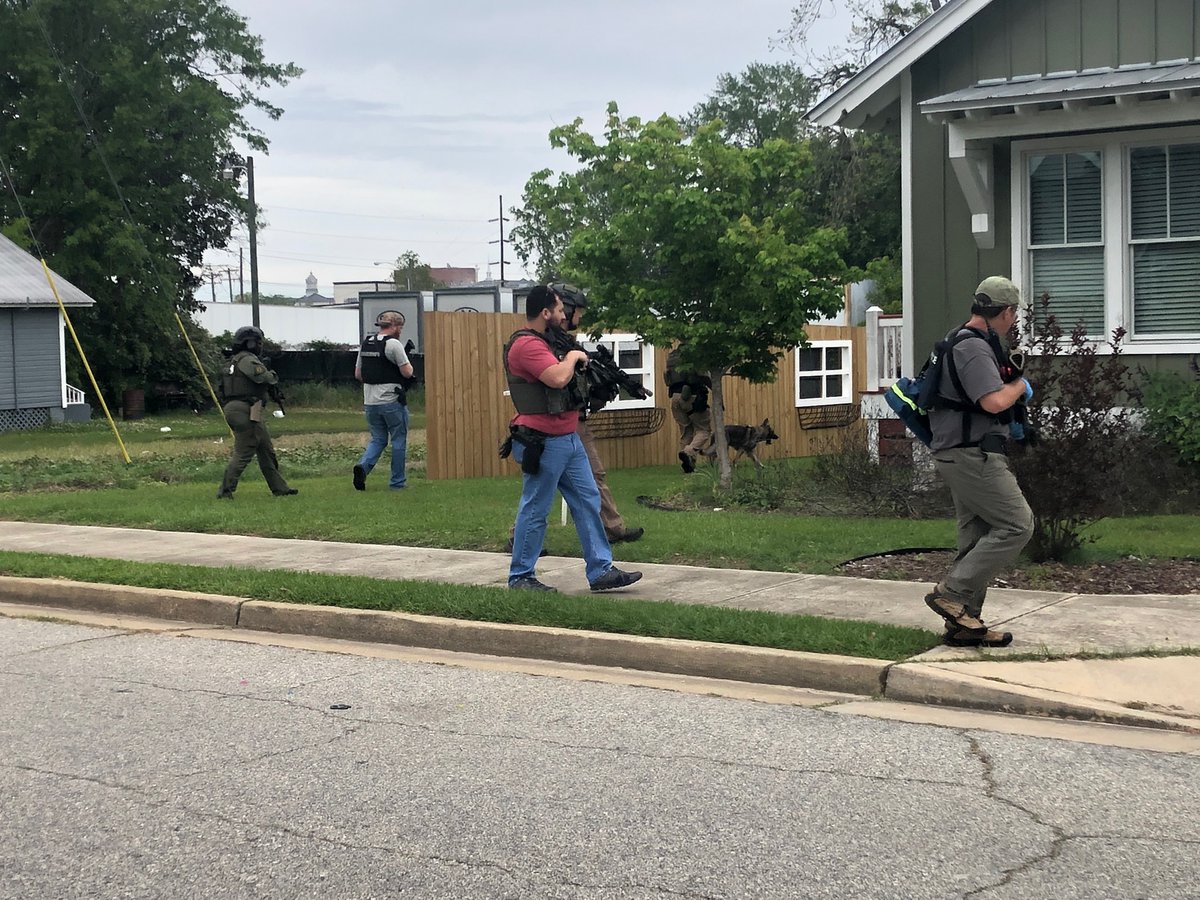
(375, 394)
(980, 375)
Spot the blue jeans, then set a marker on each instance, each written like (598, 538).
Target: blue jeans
(387, 421)
(564, 468)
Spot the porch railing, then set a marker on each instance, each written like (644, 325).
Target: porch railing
(74, 395)
(885, 350)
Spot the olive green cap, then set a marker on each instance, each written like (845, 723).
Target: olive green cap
(997, 290)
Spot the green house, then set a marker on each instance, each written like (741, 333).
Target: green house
(1053, 141)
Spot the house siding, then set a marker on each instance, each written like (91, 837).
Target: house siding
(1012, 38)
(30, 376)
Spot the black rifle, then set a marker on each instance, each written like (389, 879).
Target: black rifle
(605, 378)
(276, 395)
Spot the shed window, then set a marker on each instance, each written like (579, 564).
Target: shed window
(824, 374)
(636, 358)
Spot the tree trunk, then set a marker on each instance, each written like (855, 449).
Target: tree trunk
(724, 469)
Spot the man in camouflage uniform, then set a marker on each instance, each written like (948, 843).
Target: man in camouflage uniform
(246, 384)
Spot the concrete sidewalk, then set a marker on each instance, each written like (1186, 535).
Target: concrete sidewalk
(1142, 690)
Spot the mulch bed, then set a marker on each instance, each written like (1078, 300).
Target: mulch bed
(1123, 576)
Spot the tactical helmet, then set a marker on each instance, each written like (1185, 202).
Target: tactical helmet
(247, 335)
(572, 297)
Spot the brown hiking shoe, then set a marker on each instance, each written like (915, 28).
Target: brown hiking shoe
(957, 637)
(954, 613)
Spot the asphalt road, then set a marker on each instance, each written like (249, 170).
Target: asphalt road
(140, 765)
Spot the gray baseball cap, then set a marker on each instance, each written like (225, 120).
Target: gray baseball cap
(998, 291)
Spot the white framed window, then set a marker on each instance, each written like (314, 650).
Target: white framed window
(636, 358)
(824, 373)
(1109, 226)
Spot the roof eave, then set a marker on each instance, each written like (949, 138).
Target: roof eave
(842, 107)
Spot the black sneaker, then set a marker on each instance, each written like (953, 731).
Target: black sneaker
(529, 583)
(629, 534)
(686, 463)
(360, 478)
(288, 492)
(614, 578)
(224, 494)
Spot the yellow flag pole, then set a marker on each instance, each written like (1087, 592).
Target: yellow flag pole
(79, 347)
(200, 368)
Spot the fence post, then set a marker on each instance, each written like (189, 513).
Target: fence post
(873, 348)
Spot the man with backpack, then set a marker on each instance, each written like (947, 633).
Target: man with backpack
(976, 393)
(688, 393)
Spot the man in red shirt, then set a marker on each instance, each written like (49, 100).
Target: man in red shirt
(548, 396)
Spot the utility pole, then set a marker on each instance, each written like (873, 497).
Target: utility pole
(502, 240)
(229, 279)
(242, 274)
(253, 241)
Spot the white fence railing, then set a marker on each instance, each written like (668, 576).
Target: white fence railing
(885, 349)
(74, 395)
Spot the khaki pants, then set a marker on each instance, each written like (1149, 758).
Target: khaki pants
(994, 521)
(614, 525)
(695, 428)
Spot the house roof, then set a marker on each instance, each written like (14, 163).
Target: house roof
(23, 281)
(1064, 87)
(878, 84)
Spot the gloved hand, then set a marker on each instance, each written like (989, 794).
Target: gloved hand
(1016, 431)
(1028, 391)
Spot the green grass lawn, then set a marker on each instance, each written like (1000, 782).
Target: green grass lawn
(487, 604)
(74, 475)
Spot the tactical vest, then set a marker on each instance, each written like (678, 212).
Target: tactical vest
(676, 379)
(937, 400)
(376, 367)
(538, 398)
(235, 385)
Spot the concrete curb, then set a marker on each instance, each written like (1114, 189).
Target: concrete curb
(152, 603)
(920, 683)
(755, 665)
(911, 681)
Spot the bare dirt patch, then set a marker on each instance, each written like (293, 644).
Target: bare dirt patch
(1122, 576)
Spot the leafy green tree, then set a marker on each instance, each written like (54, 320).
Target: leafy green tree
(762, 103)
(700, 241)
(411, 274)
(151, 94)
(857, 175)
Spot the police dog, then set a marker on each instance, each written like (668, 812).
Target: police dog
(743, 439)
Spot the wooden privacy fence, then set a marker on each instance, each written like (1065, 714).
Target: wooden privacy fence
(467, 413)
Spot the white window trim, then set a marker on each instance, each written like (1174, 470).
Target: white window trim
(846, 372)
(1118, 276)
(646, 369)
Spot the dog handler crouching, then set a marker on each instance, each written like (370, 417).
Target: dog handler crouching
(970, 452)
(547, 394)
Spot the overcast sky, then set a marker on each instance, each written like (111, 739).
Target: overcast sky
(412, 118)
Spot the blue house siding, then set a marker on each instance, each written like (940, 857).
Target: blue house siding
(30, 377)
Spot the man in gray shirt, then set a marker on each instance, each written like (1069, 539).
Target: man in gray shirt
(383, 368)
(970, 452)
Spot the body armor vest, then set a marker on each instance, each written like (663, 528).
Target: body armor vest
(376, 367)
(235, 385)
(538, 398)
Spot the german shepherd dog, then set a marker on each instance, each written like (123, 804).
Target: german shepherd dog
(743, 439)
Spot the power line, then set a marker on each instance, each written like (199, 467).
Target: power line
(333, 212)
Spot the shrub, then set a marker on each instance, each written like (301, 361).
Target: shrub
(1076, 474)
(1172, 412)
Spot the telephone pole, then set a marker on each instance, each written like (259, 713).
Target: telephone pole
(503, 240)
